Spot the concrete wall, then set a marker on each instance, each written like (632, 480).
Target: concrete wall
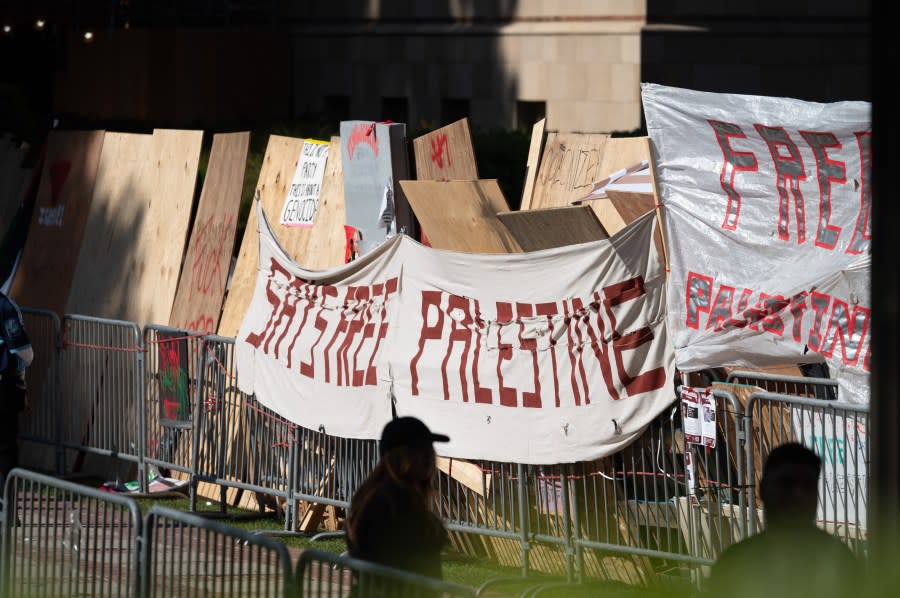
(580, 58)
(502, 62)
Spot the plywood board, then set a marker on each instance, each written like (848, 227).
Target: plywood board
(275, 175)
(534, 158)
(134, 240)
(472, 225)
(57, 225)
(569, 165)
(620, 152)
(446, 154)
(553, 227)
(320, 246)
(630, 207)
(201, 288)
(13, 179)
(327, 240)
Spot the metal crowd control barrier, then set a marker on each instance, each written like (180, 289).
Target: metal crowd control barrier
(487, 498)
(635, 514)
(41, 423)
(187, 555)
(172, 363)
(61, 539)
(328, 470)
(238, 443)
(800, 386)
(322, 574)
(838, 433)
(103, 366)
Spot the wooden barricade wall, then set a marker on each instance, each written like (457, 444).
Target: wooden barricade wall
(570, 164)
(553, 227)
(619, 153)
(134, 240)
(201, 288)
(60, 214)
(279, 163)
(472, 225)
(531, 166)
(318, 247)
(446, 154)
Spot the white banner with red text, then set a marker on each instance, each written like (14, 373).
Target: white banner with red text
(767, 207)
(554, 356)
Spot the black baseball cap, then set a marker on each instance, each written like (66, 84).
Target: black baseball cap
(407, 431)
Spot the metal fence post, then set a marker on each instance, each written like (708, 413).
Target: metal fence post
(524, 519)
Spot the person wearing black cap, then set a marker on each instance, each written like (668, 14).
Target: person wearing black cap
(391, 520)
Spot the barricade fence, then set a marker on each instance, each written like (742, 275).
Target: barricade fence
(187, 555)
(838, 433)
(41, 425)
(102, 412)
(322, 575)
(62, 539)
(168, 399)
(172, 363)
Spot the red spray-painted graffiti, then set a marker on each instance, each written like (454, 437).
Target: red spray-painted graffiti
(362, 134)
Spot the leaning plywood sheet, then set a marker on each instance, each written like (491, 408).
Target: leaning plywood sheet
(631, 206)
(60, 214)
(534, 158)
(134, 241)
(327, 241)
(620, 153)
(318, 246)
(13, 179)
(279, 164)
(201, 288)
(553, 227)
(446, 154)
(472, 225)
(569, 166)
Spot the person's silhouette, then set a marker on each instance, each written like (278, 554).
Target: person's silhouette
(791, 557)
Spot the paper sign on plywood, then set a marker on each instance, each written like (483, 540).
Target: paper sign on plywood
(303, 196)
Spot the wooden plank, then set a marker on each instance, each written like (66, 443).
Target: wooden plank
(531, 166)
(569, 165)
(468, 474)
(134, 240)
(60, 214)
(619, 153)
(446, 154)
(201, 288)
(630, 206)
(553, 227)
(279, 163)
(622, 152)
(327, 240)
(472, 226)
(318, 247)
(117, 207)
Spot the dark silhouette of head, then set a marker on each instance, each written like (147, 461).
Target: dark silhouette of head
(790, 484)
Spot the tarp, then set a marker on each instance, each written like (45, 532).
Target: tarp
(553, 356)
(767, 216)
